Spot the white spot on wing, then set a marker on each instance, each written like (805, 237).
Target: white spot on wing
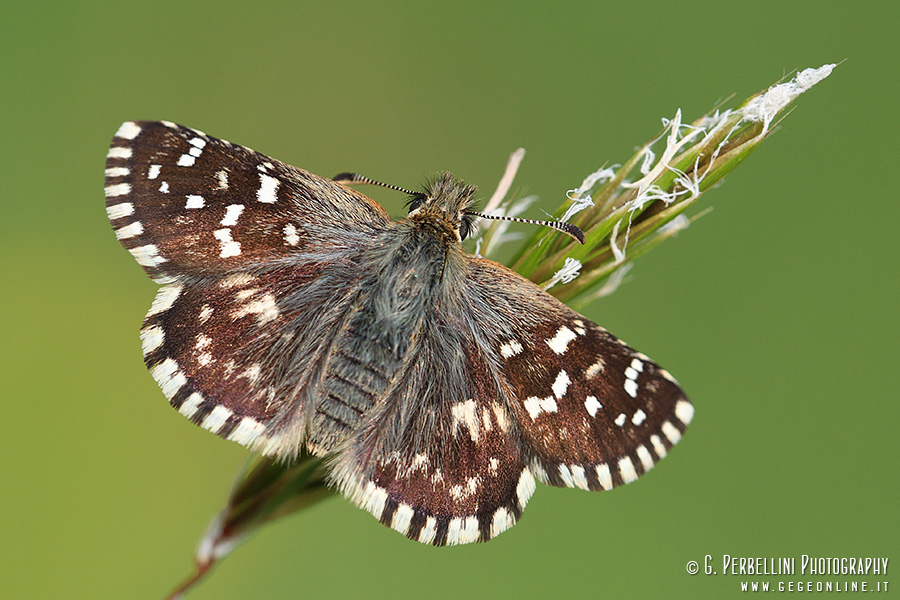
(164, 300)
(510, 349)
(247, 431)
(593, 370)
(164, 187)
(222, 179)
(502, 520)
(186, 160)
(205, 313)
(560, 342)
(626, 469)
(658, 446)
(117, 189)
(453, 530)
(169, 377)
(620, 420)
(578, 477)
(118, 211)
(151, 338)
(501, 416)
(470, 532)
(268, 189)
(251, 373)
(668, 376)
(229, 246)
(194, 201)
(561, 384)
(631, 387)
(402, 517)
(604, 476)
(465, 414)
(592, 405)
(119, 153)
(129, 231)
(429, 531)
(525, 487)
(646, 459)
(373, 499)
(639, 416)
(538, 472)
(232, 212)
(535, 406)
(566, 475)
(244, 294)
(190, 406)
(684, 411)
(215, 419)
(153, 172)
(291, 238)
(236, 280)
(147, 256)
(128, 130)
(117, 172)
(671, 432)
(265, 309)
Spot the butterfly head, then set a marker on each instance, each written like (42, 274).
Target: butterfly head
(443, 207)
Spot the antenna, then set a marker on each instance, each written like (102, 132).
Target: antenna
(566, 228)
(351, 178)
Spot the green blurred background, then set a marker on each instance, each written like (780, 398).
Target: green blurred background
(777, 311)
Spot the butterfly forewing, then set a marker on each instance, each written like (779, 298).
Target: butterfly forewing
(187, 204)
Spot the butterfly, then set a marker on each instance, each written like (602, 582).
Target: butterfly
(295, 314)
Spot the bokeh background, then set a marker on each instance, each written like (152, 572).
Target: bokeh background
(777, 311)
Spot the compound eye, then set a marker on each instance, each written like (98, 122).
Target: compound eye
(465, 227)
(415, 202)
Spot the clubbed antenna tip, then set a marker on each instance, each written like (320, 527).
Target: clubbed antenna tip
(567, 228)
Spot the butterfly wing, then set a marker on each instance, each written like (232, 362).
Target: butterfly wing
(189, 205)
(440, 461)
(239, 240)
(592, 412)
(506, 386)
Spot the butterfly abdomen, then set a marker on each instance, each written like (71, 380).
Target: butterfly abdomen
(360, 368)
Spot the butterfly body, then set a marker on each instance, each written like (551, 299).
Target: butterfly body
(295, 314)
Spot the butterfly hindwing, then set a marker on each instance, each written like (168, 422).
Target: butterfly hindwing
(448, 471)
(593, 413)
(187, 204)
(226, 352)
